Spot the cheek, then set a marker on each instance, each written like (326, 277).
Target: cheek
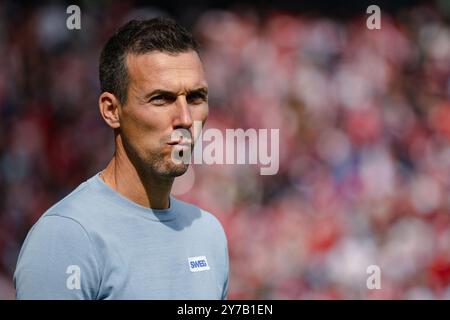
(142, 130)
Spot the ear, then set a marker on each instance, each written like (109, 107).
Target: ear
(109, 109)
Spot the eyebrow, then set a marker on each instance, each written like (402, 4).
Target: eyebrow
(202, 90)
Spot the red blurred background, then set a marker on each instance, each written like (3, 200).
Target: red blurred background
(364, 119)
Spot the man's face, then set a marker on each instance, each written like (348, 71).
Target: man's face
(165, 93)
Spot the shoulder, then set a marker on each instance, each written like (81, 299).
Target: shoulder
(57, 231)
(67, 223)
(87, 205)
(63, 225)
(75, 204)
(53, 247)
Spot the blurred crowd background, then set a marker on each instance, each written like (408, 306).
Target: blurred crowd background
(364, 119)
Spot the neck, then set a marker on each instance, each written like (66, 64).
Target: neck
(142, 188)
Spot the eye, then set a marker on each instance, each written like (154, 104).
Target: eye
(196, 98)
(162, 99)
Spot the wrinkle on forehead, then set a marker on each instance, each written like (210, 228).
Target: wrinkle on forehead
(158, 70)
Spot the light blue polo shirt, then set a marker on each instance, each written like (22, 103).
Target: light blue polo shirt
(97, 244)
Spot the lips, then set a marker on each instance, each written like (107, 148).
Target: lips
(181, 146)
(181, 142)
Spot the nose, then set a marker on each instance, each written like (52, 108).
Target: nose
(183, 117)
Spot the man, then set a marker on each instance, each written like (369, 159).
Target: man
(120, 234)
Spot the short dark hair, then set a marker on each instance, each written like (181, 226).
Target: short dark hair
(139, 37)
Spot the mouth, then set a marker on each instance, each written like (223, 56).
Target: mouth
(181, 146)
(181, 143)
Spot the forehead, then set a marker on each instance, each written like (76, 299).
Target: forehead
(158, 70)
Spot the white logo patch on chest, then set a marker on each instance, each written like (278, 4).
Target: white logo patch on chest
(197, 264)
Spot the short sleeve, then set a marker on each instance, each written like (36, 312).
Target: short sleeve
(57, 261)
